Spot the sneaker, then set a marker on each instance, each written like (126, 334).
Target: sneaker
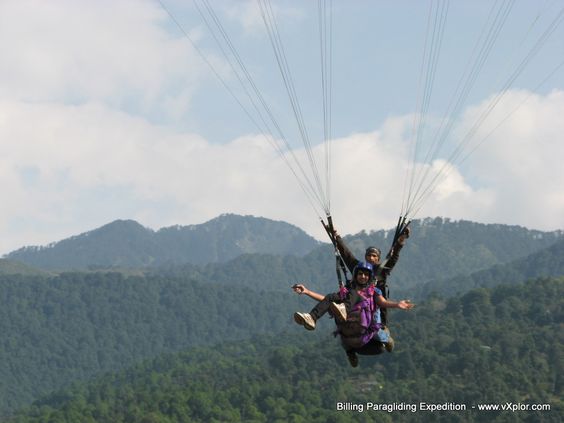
(353, 358)
(305, 320)
(389, 346)
(339, 311)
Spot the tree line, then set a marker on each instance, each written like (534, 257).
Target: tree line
(488, 346)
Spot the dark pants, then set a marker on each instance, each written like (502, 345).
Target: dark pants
(322, 307)
(374, 347)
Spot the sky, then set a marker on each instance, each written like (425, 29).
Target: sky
(113, 110)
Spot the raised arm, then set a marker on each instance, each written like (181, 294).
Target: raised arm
(348, 257)
(393, 256)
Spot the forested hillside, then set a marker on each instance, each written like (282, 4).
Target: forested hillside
(493, 346)
(70, 327)
(547, 262)
(11, 267)
(58, 329)
(437, 247)
(438, 250)
(441, 248)
(127, 244)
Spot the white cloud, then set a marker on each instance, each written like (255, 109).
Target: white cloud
(249, 15)
(78, 167)
(83, 85)
(521, 161)
(115, 52)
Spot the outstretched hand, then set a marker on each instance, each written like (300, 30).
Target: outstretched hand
(405, 305)
(299, 288)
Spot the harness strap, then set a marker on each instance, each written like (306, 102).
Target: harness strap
(340, 267)
(401, 227)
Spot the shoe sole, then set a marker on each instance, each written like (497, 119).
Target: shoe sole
(337, 313)
(301, 321)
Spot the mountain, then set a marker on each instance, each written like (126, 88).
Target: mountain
(442, 248)
(127, 244)
(437, 246)
(67, 327)
(547, 262)
(438, 249)
(73, 326)
(490, 347)
(11, 267)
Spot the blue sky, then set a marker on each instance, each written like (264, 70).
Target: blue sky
(107, 112)
(377, 55)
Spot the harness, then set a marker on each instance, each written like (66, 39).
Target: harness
(360, 326)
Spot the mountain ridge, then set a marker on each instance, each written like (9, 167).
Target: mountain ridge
(128, 244)
(220, 247)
